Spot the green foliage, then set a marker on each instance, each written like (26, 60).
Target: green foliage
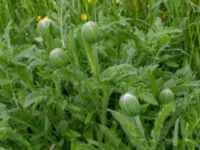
(159, 122)
(146, 46)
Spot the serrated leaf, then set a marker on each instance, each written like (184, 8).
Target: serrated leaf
(27, 53)
(38, 123)
(4, 81)
(153, 84)
(36, 97)
(159, 122)
(131, 129)
(36, 63)
(175, 137)
(172, 64)
(112, 136)
(65, 73)
(148, 97)
(77, 145)
(117, 72)
(25, 75)
(25, 118)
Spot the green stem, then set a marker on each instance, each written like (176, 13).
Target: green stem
(104, 107)
(57, 85)
(141, 131)
(72, 50)
(12, 91)
(139, 126)
(61, 24)
(48, 40)
(93, 60)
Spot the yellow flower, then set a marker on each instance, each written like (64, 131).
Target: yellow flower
(45, 17)
(38, 18)
(84, 17)
(43, 24)
(89, 1)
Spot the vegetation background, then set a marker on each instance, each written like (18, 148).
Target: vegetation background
(147, 45)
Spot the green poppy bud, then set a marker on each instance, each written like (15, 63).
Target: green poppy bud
(91, 32)
(129, 104)
(58, 57)
(166, 96)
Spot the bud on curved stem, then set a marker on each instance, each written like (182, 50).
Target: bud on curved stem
(58, 57)
(166, 96)
(129, 104)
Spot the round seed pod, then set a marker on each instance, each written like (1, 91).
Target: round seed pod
(91, 32)
(58, 57)
(129, 104)
(166, 96)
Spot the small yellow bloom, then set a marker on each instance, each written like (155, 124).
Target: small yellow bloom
(89, 1)
(38, 18)
(44, 24)
(45, 17)
(84, 17)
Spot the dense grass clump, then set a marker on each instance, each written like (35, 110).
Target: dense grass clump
(129, 80)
